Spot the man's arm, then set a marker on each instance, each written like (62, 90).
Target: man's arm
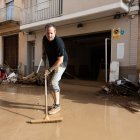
(58, 62)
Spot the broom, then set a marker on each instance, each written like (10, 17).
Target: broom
(46, 119)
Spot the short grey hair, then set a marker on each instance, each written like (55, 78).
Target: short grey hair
(50, 25)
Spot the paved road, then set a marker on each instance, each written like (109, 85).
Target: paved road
(87, 114)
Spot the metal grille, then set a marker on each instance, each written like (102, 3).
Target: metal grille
(44, 9)
(10, 13)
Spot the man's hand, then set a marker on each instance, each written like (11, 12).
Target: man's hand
(47, 72)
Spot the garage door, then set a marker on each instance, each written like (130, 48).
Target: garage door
(87, 55)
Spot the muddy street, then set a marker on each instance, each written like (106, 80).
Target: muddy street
(86, 114)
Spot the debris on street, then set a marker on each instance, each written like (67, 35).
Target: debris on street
(8, 75)
(12, 77)
(3, 74)
(33, 78)
(124, 88)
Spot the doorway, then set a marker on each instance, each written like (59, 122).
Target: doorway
(11, 51)
(87, 55)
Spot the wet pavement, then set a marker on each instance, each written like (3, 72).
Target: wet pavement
(87, 114)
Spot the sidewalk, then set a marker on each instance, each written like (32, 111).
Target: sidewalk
(86, 114)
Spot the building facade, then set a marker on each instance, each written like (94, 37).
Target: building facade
(95, 34)
(9, 32)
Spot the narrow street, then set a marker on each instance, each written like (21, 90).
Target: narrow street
(87, 114)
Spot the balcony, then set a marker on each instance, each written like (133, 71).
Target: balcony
(10, 13)
(68, 12)
(42, 11)
(9, 19)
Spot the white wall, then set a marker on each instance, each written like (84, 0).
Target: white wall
(72, 6)
(129, 39)
(38, 47)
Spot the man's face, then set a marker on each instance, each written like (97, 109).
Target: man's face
(50, 33)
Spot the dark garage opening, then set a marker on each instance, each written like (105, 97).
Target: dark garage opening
(87, 55)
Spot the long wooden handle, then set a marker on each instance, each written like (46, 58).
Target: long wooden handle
(46, 107)
(39, 66)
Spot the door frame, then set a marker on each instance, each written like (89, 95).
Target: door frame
(30, 56)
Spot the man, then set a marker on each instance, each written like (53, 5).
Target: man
(54, 49)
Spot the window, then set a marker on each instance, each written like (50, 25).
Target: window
(9, 10)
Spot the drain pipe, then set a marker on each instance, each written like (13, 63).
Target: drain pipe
(106, 39)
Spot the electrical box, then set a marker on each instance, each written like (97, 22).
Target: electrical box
(116, 32)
